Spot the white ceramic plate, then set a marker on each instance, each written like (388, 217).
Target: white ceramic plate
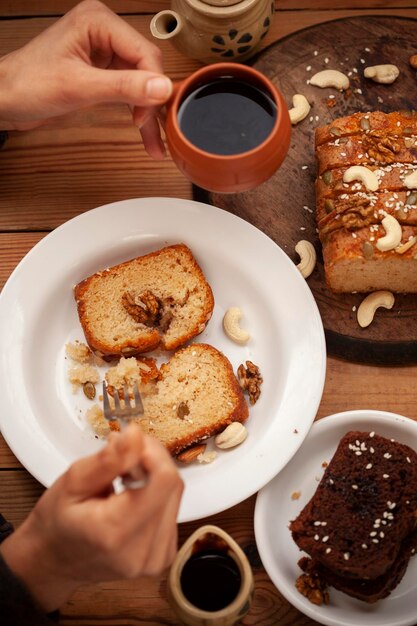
(43, 421)
(275, 509)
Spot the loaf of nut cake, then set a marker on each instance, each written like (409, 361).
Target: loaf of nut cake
(351, 217)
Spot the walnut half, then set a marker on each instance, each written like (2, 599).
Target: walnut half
(250, 380)
(145, 308)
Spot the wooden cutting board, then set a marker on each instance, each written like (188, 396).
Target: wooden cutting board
(283, 207)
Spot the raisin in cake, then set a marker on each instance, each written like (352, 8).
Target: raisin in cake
(359, 528)
(349, 216)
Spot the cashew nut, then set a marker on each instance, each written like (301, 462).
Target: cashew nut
(232, 436)
(307, 253)
(393, 235)
(371, 303)
(410, 181)
(231, 326)
(330, 78)
(385, 74)
(365, 175)
(300, 110)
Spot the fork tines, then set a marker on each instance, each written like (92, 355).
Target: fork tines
(128, 411)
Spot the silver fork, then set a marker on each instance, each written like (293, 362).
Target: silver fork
(125, 414)
(136, 477)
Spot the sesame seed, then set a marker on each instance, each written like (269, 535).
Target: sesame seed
(387, 455)
(367, 49)
(364, 546)
(362, 60)
(317, 523)
(369, 466)
(371, 450)
(311, 118)
(326, 60)
(316, 537)
(385, 475)
(354, 308)
(375, 540)
(308, 68)
(346, 556)
(328, 550)
(304, 167)
(315, 52)
(408, 460)
(324, 523)
(372, 534)
(326, 538)
(381, 534)
(358, 453)
(331, 481)
(354, 486)
(302, 227)
(372, 434)
(317, 118)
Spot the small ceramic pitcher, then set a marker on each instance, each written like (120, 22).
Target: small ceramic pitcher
(215, 30)
(201, 539)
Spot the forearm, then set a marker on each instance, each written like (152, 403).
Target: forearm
(27, 561)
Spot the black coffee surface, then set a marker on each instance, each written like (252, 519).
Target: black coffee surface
(227, 117)
(210, 580)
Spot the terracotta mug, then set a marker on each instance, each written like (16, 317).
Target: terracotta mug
(202, 541)
(230, 173)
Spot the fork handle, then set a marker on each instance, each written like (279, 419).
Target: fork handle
(136, 478)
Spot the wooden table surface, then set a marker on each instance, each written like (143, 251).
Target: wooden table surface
(93, 157)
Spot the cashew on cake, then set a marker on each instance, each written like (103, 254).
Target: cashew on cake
(366, 201)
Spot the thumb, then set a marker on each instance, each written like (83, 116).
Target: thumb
(92, 475)
(136, 87)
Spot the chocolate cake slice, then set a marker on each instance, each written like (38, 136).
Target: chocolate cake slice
(359, 528)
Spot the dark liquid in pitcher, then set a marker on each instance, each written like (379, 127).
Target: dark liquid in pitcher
(210, 580)
(227, 116)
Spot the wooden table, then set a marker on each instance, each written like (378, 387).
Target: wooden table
(94, 157)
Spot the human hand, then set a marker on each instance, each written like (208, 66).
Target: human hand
(81, 531)
(89, 56)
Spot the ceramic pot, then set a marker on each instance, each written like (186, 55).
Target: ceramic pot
(215, 30)
(235, 172)
(192, 615)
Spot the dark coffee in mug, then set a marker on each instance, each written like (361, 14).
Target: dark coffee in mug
(210, 580)
(227, 116)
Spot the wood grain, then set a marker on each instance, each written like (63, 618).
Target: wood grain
(284, 206)
(35, 199)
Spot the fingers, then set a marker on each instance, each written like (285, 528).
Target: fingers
(152, 141)
(107, 32)
(138, 88)
(94, 474)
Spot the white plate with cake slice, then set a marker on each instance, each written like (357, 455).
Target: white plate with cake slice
(44, 422)
(281, 501)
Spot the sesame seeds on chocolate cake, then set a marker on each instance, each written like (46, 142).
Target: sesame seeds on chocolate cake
(359, 527)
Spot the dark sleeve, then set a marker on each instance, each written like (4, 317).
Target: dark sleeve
(17, 607)
(3, 137)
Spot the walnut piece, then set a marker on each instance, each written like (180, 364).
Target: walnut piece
(358, 216)
(310, 584)
(250, 380)
(145, 308)
(380, 147)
